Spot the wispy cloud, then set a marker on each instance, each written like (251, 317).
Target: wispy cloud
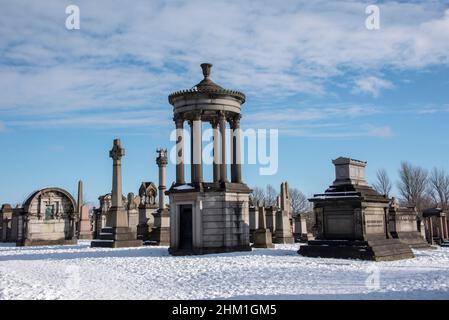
(127, 58)
(371, 85)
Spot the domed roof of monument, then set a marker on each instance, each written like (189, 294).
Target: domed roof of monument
(207, 86)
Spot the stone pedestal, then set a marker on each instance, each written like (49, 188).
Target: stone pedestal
(404, 226)
(85, 224)
(270, 214)
(118, 234)
(300, 228)
(117, 237)
(160, 233)
(283, 233)
(262, 236)
(253, 221)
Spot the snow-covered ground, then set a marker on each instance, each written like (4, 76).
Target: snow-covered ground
(81, 272)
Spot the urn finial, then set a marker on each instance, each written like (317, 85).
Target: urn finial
(206, 69)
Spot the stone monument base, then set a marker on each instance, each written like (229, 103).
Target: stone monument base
(208, 250)
(120, 237)
(376, 250)
(86, 236)
(31, 242)
(413, 239)
(301, 237)
(161, 236)
(160, 233)
(281, 239)
(262, 239)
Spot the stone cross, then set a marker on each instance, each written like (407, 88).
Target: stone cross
(116, 154)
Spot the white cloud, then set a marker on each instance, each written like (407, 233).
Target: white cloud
(129, 58)
(371, 85)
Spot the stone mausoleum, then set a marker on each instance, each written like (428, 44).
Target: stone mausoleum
(352, 219)
(47, 217)
(208, 217)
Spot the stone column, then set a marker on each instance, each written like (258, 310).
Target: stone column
(223, 171)
(197, 149)
(162, 162)
(192, 167)
(80, 196)
(179, 150)
(120, 219)
(216, 165)
(236, 171)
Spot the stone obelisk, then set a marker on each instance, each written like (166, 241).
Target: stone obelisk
(119, 234)
(160, 233)
(84, 224)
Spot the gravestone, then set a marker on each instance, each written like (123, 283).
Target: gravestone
(404, 225)
(147, 208)
(262, 236)
(351, 219)
(300, 228)
(283, 233)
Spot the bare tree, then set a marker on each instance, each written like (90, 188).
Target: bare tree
(299, 202)
(413, 185)
(270, 196)
(258, 196)
(439, 188)
(383, 183)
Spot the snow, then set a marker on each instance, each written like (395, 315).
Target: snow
(184, 187)
(81, 272)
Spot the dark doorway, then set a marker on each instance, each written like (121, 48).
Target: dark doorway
(185, 228)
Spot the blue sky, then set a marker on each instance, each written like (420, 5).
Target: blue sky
(309, 69)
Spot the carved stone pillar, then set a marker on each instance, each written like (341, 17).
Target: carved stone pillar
(236, 171)
(223, 171)
(216, 164)
(179, 150)
(197, 149)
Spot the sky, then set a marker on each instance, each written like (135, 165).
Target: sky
(309, 69)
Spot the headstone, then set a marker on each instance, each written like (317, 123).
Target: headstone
(300, 231)
(132, 207)
(351, 219)
(147, 208)
(253, 220)
(283, 233)
(262, 236)
(403, 225)
(85, 224)
(271, 218)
